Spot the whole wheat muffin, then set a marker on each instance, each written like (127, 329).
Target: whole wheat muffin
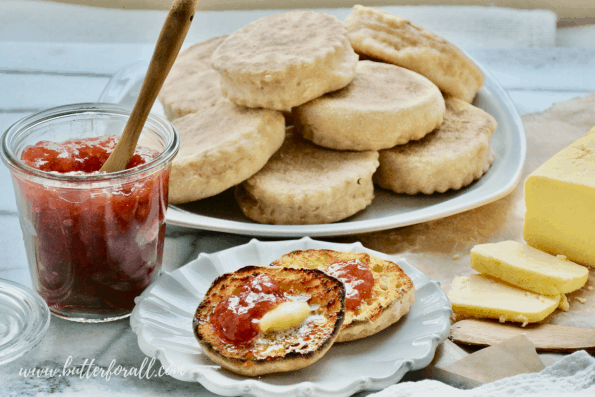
(385, 105)
(192, 84)
(306, 184)
(221, 146)
(452, 156)
(284, 60)
(381, 36)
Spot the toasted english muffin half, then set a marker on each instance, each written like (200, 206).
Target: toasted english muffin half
(275, 351)
(392, 294)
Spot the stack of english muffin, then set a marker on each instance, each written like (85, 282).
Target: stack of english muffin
(372, 100)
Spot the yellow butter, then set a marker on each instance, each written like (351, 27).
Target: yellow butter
(528, 268)
(564, 305)
(482, 296)
(560, 201)
(284, 316)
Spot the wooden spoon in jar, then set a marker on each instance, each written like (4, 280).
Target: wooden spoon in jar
(168, 45)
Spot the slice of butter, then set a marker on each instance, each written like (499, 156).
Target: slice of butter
(528, 268)
(560, 201)
(482, 296)
(564, 304)
(284, 316)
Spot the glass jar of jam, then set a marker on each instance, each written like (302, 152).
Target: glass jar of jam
(94, 240)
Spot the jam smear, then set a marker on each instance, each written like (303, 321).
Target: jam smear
(97, 247)
(358, 280)
(80, 155)
(235, 319)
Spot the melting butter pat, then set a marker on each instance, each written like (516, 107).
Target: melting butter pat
(480, 295)
(284, 316)
(560, 202)
(528, 268)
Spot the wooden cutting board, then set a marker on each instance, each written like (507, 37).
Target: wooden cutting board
(545, 337)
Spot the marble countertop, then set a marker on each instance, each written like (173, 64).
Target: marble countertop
(35, 75)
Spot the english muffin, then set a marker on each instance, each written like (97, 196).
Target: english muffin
(389, 295)
(306, 184)
(192, 84)
(284, 60)
(221, 146)
(452, 156)
(385, 105)
(243, 298)
(381, 36)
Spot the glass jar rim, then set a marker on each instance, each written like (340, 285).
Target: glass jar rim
(13, 132)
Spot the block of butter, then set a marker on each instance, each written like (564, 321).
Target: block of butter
(480, 295)
(528, 268)
(560, 201)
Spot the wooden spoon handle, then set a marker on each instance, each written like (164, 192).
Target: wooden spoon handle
(168, 45)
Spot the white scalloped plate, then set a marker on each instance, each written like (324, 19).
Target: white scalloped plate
(162, 320)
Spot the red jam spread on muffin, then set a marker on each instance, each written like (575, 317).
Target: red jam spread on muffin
(358, 280)
(99, 246)
(235, 319)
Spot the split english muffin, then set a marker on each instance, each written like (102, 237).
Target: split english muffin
(285, 60)
(306, 184)
(385, 105)
(227, 323)
(388, 298)
(454, 155)
(221, 146)
(381, 36)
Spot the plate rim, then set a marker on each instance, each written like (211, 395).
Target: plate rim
(178, 217)
(252, 386)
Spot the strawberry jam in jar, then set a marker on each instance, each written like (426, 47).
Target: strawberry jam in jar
(94, 240)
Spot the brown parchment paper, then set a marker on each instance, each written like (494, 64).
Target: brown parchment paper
(508, 358)
(433, 246)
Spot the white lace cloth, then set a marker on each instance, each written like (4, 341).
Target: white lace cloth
(574, 375)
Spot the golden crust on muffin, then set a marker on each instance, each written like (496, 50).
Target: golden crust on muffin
(393, 292)
(275, 351)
